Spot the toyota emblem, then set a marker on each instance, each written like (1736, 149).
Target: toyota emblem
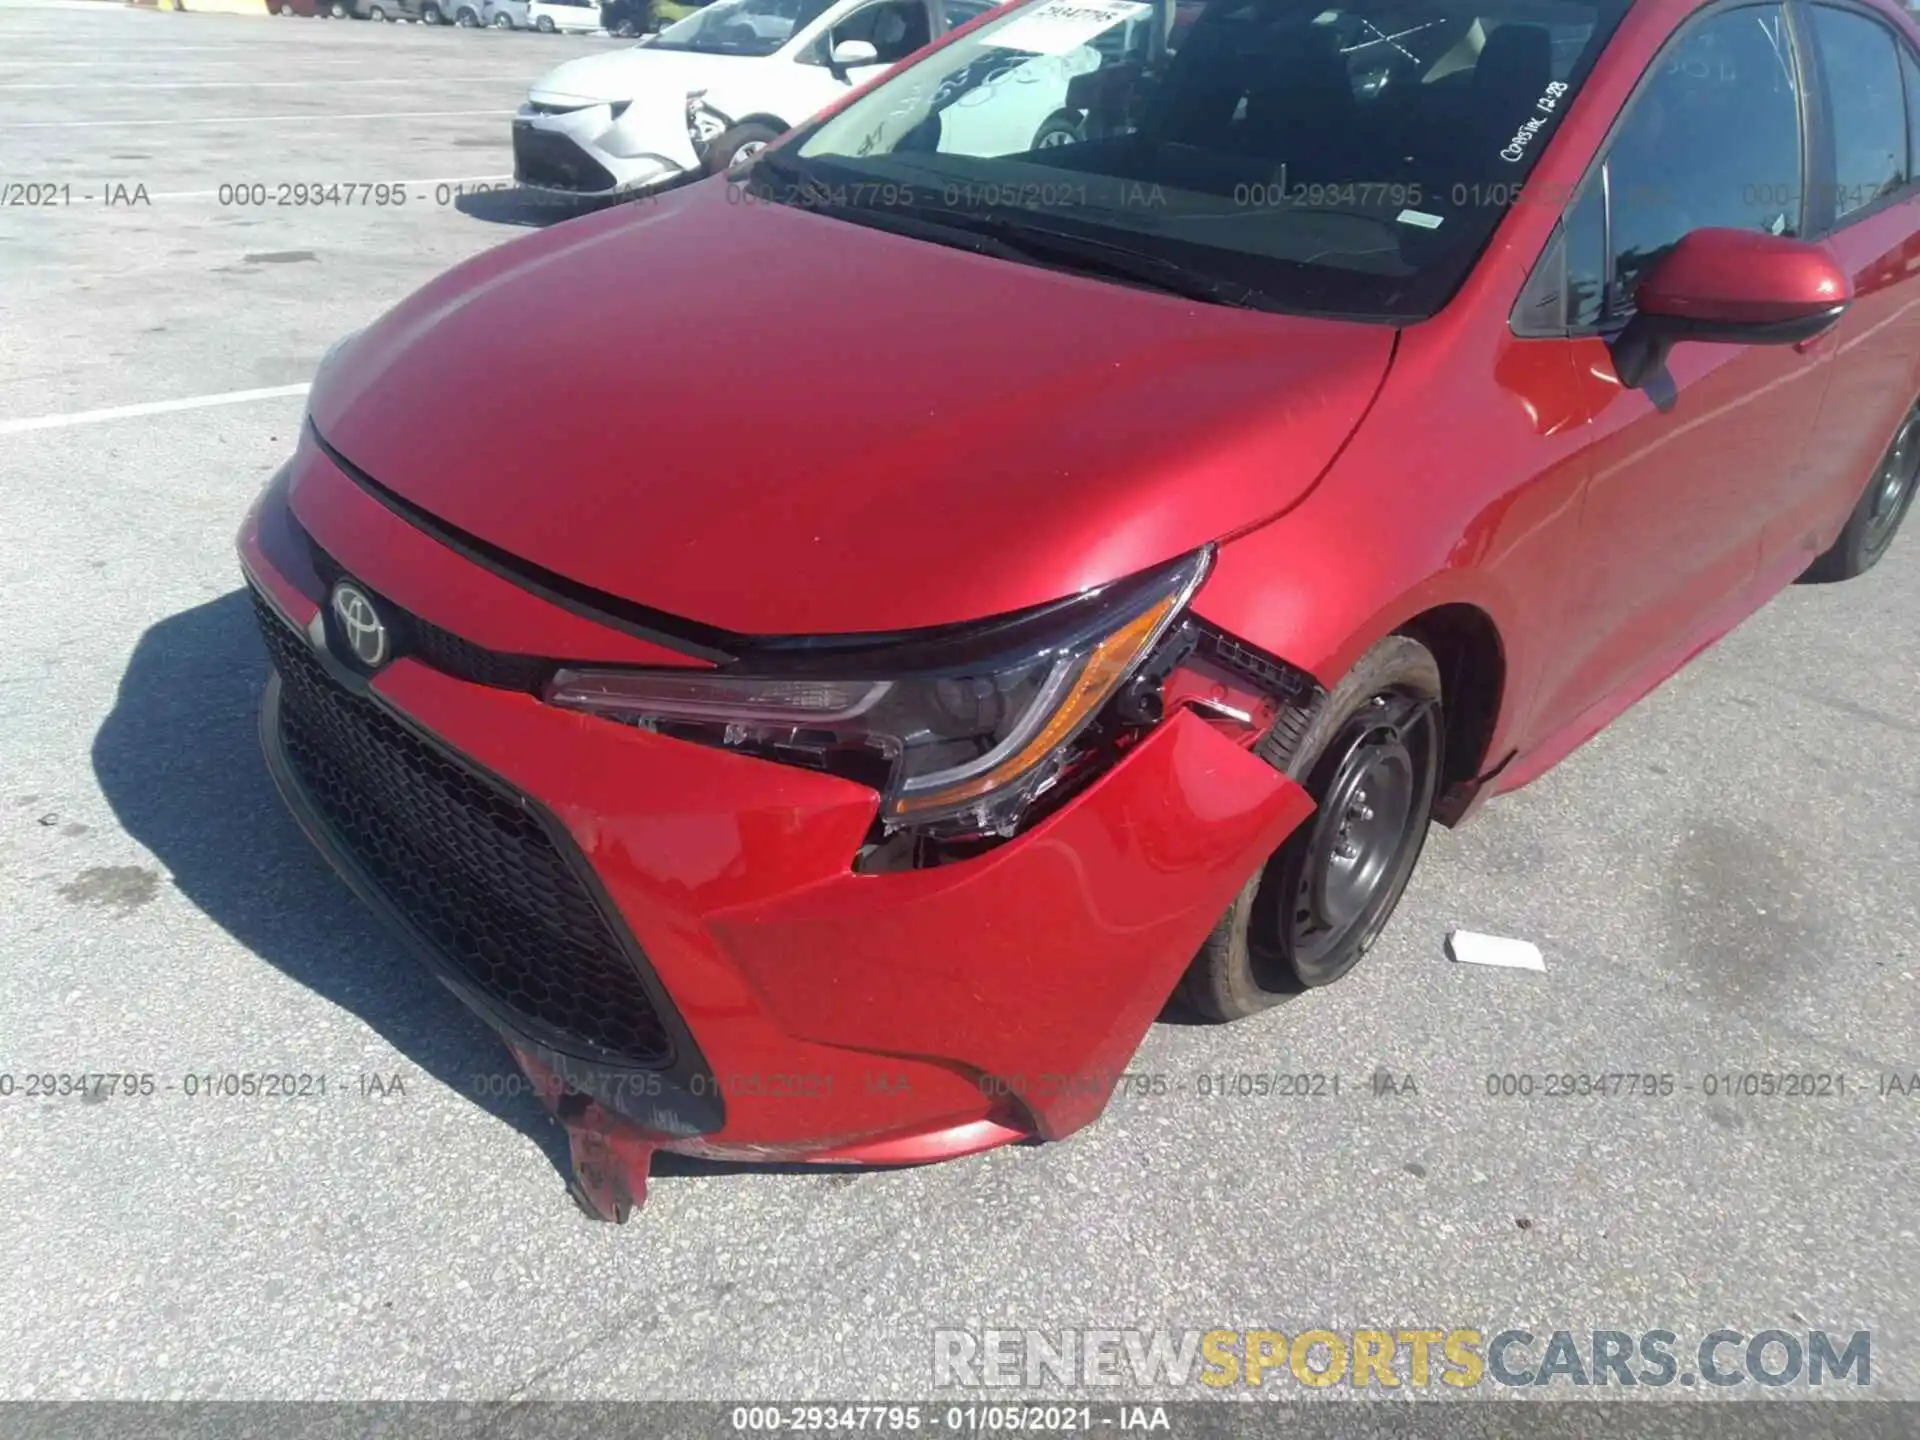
(360, 624)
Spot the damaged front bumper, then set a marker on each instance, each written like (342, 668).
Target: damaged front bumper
(801, 1012)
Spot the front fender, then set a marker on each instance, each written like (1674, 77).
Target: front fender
(1409, 518)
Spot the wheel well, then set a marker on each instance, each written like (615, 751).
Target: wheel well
(1473, 678)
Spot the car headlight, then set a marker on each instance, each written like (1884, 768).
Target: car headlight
(959, 730)
(704, 124)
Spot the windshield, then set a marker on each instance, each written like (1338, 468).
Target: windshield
(1349, 161)
(740, 27)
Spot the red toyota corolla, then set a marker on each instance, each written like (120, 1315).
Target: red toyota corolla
(819, 658)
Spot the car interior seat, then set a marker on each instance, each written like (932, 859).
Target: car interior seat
(899, 30)
(1301, 110)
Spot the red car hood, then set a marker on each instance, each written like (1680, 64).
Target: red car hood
(775, 422)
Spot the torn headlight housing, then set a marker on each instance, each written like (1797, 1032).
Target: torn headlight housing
(960, 730)
(704, 124)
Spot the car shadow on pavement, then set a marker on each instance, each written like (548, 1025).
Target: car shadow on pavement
(530, 209)
(178, 759)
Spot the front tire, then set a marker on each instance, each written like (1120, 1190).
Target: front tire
(1876, 518)
(737, 146)
(1371, 760)
(544, 25)
(1063, 127)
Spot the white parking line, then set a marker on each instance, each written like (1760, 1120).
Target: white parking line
(144, 61)
(153, 407)
(249, 84)
(243, 54)
(313, 117)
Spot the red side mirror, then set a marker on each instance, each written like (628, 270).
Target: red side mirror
(1737, 287)
(1742, 278)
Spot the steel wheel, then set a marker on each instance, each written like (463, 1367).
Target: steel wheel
(1370, 755)
(1877, 516)
(1375, 784)
(1890, 493)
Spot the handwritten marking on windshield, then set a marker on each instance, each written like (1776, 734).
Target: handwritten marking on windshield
(1516, 148)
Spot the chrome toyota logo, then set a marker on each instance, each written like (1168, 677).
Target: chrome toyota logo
(360, 624)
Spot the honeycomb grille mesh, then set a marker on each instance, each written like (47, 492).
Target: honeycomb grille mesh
(464, 860)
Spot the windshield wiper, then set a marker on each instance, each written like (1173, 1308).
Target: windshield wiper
(1006, 237)
(1092, 255)
(802, 191)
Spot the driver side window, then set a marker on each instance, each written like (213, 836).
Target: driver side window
(1712, 138)
(895, 29)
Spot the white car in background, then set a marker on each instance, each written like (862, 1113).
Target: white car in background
(710, 91)
(576, 17)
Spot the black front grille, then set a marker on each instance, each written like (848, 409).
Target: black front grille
(463, 858)
(464, 660)
(553, 162)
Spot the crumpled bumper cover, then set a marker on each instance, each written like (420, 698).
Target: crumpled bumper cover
(889, 1018)
(586, 150)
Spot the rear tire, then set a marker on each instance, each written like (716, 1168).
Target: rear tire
(430, 15)
(544, 25)
(1371, 760)
(503, 21)
(466, 18)
(1875, 520)
(375, 12)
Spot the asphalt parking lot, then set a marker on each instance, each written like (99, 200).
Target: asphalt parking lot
(1724, 883)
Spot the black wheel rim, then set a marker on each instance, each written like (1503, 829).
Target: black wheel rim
(1892, 488)
(1340, 879)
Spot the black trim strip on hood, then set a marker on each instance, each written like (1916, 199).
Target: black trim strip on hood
(952, 648)
(689, 637)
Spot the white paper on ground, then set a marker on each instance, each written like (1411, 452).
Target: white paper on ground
(1468, 948)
